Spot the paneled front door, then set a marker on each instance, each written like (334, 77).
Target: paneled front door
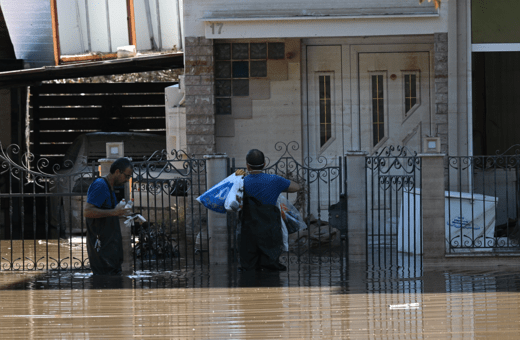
(394, 106)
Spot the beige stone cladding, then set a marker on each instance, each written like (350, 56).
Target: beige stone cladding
(441, 88)
(200, 121)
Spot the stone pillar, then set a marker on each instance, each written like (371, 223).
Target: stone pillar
(356, 203)
(199, 84)
(216, 166)
(441, 89)
(126, 233)
(433, 206)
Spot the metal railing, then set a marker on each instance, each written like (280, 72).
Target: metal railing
(482, 203)
(393, 206)
(175, 235)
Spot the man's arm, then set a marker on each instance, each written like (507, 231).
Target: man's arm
(293, 187)
(91, 211)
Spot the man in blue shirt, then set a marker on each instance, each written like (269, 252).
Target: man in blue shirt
(104, 241)
(261, 235)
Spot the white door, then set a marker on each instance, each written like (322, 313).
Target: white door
(323, 126)
(394, 106)
(324, 104)
(394, 100)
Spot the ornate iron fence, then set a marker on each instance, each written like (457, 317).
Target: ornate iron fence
(482, 203)
(393, 206)
(41, 212)
(42, 226)
(321, 203)
(164, 189)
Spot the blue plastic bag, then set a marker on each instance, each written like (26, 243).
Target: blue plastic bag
(215, 198)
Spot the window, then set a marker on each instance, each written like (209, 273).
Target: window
(94, 29)
(325, 110)
(378, 109)
(236, 64)
(410, 92)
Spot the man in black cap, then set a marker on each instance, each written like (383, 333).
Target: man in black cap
(261, 234)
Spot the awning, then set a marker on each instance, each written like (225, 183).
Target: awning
(33, 76)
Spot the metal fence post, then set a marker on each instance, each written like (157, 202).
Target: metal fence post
(433, 206)
(356, 194)
(218, 248)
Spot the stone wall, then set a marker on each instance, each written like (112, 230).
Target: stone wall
(441, 89)
(199, 91)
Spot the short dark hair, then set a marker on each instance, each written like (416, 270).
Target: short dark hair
(255, 159)
(121, 164)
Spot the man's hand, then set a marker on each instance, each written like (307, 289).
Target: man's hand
(240, 172)
(122, 211)
(91, 211)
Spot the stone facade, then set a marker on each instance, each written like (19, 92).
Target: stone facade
(199, 91)
(441, 88)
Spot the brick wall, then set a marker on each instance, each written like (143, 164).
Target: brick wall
(200, 115)
(441, 88)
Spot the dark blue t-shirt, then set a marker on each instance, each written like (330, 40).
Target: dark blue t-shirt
(98, 194)
(265, 187)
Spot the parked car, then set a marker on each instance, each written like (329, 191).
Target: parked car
(76, 173)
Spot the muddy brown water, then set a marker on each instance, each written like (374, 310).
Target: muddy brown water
(309, 302)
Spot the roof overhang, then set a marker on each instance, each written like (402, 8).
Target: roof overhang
(34, 76)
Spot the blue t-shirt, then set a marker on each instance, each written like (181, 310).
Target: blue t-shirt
(98, 194)
(265, 187)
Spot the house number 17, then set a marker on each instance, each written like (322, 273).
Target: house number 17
(216, 27)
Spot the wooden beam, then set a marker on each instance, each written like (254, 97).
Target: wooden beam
(131, 22)
(55, 32)
(96, 57)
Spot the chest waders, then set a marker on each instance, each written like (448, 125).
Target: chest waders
(261, 241)
(105, 243)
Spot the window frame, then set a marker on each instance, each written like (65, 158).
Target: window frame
(59, 59)
(385, 137)
(417, 74)
(333, 99)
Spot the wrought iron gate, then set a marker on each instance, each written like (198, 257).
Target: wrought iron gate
(42, 226)
(164, 189)
(393, 206)
(321, 202)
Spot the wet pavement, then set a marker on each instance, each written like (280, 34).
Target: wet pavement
(307, 302)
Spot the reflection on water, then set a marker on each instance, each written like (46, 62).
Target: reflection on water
(309, 301)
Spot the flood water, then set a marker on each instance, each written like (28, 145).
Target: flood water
(307, 302)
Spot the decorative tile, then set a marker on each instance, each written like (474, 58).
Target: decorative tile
(258, 68)
(222, 69)
(223, 106)
(258, 50)
(241, 51)
(277, 70)
(222, 51)
(240, 69)
(276, 51)
(223, 88)
(241, 87)
(242, 107)
(260, 89)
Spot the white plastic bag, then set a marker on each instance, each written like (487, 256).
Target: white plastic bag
(291, 216)
(215, 198)
(285, 237)
(236, 194)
